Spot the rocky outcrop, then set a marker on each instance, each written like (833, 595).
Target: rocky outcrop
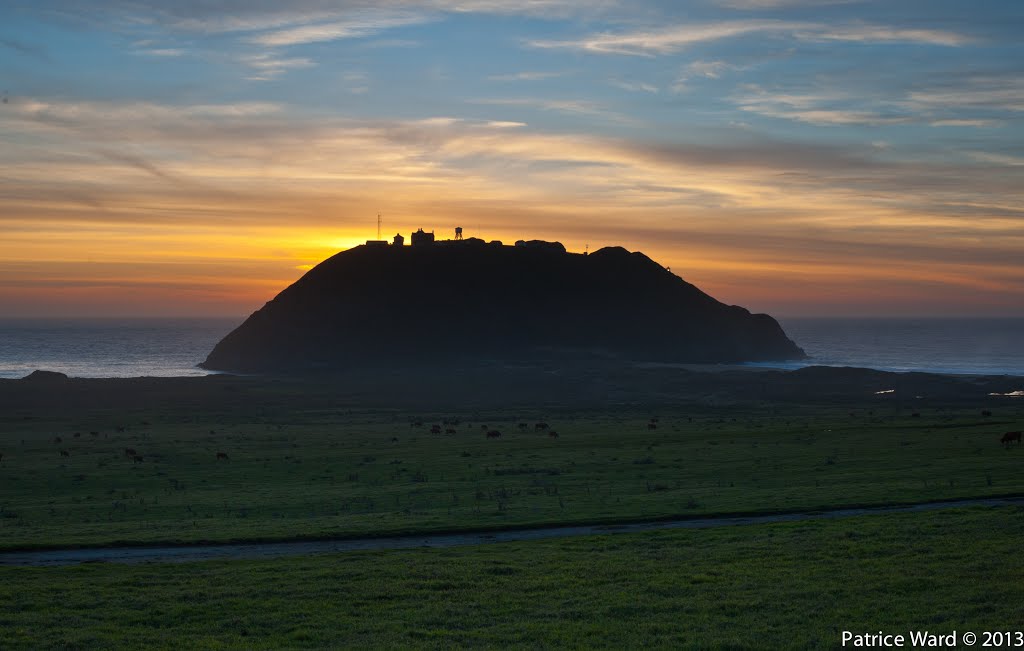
(381, 304)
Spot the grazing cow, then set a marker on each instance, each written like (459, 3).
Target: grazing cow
(65, 453)
(493, 434)
(652, 426)
(77, 434)
(654, 420)
(540, 427)
(435, 429)
(553, 434)
(58, 439)
(130, 452)
(1009, 438)
(416, 423)
(137, 458)
(145, 423)
(1, 456)
(523, 425)
(222, 455)
(450, 430)
(483, 427)
(394, 439)
(120, 429)
(94, 433)
(212, 432)
(986, 413)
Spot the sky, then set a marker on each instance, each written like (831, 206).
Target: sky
(796, 157)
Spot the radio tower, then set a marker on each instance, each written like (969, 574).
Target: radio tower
(378, 226)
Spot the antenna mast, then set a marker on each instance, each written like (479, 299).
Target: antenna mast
(378, 226)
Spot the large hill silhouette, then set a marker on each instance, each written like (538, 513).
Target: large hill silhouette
(459, 300)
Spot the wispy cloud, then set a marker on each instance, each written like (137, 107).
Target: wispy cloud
(567, 106)
(936, 108)
(709, 69)
(358, 26)
(958, 122)
(823, 109)
(998, 159)
(268, 66)
(162, 52)
(98, 116)
(666, 40)
(1004, 93)
(882, 34)
(672, 39)
(781, 4)
(530, 75)
(702, 69)
(634, 86)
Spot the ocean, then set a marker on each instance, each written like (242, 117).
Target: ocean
(109, 347)
(949, 345)
(173, 347)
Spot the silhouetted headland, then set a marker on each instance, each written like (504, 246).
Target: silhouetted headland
(378, 304)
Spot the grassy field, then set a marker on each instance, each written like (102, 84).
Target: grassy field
(782, 586)
(319, 472)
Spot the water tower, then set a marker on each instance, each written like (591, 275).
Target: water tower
(458, 232)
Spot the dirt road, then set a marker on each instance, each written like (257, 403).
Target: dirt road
(189, 553)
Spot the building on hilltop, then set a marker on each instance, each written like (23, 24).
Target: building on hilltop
(421, 238)
(399, 240)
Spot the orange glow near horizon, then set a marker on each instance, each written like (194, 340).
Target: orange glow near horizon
(109, 269)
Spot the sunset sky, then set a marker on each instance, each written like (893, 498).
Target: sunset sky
(800, 157)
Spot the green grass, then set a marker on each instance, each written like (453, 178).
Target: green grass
(751, 587)
(335, 472)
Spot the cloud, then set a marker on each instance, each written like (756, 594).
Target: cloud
(781, 4)
(162, 52)
(323, 17)
(267, 66)
(567, 106)
(89, 113)
(634, 86)
(702, 69)
(823, 108)
(709, 69)
(673, 39)
(668, 40)
(958, 122)
(359, 26)
(530, 75)
(139, 163)
(996, 93)
(998, 159)
(882, 34)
